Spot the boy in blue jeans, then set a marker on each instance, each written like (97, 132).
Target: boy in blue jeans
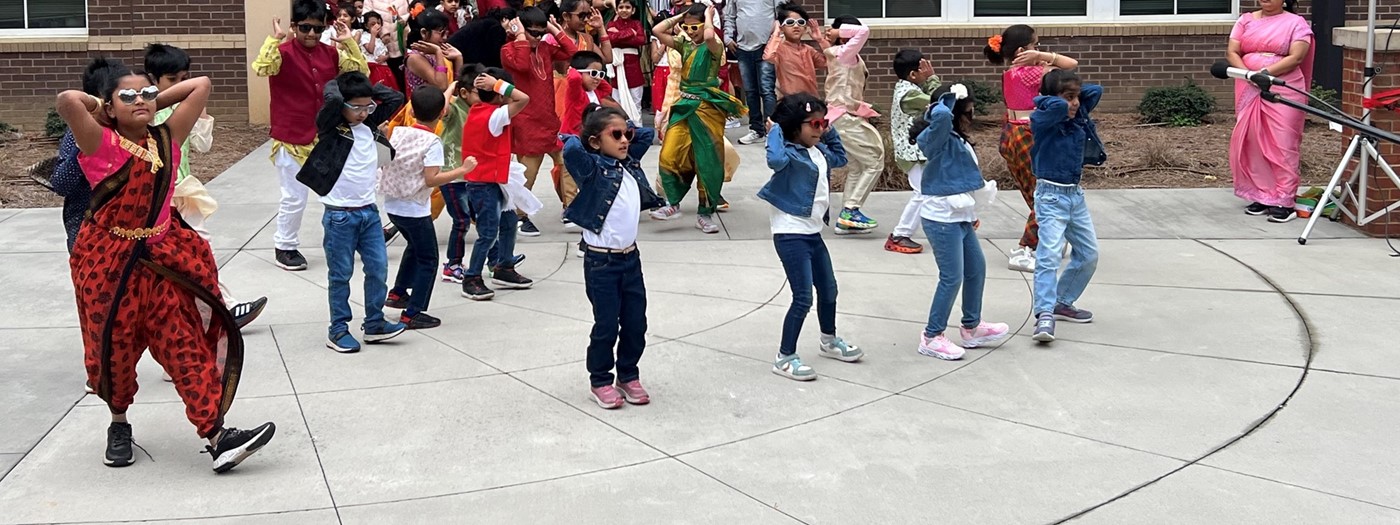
(1060, 125)
(343, 168)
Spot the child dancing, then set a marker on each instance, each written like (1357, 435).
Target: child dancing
(911, 98)
(850, 115)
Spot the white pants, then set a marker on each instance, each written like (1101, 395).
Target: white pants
(293, 202)
(196, 220)
(909, 220)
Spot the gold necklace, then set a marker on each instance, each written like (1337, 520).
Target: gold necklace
(147, 153)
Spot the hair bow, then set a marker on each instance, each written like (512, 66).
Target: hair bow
(995, 43)
(417, 9)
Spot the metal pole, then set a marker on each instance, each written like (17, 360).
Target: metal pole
(1368, 71)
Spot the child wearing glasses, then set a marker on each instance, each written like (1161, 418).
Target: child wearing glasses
(529, 58)
(802, 157)
(795, 61)
(606, 161)
(585, 86)
(298, 66)
(343, 169)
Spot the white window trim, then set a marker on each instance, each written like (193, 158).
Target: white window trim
(1098, 12)
(27, 32)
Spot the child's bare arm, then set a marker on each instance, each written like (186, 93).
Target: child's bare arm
(196, 91)
(663, 30)
(80, 110)
(434, 176)
(269, 61)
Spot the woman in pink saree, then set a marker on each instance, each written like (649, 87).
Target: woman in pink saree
(1264, 146)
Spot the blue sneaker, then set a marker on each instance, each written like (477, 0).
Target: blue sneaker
(343, 343)
(852, 218)
(387, 331)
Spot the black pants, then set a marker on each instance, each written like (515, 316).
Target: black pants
(418, 269)
(619, 298)
(397, 65)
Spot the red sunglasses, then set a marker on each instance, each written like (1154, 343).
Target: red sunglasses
(819, 123)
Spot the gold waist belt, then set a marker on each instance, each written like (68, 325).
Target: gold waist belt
(132, 234)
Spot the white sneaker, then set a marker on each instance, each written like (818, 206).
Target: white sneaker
(752, 138)
(706, 223)
(733, 123)
(666, 213)
(1022, 260)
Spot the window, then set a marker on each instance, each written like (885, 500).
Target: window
(1013, 11)
(887, 9)
(1031, 7)
(51, 16)
(1174, 7)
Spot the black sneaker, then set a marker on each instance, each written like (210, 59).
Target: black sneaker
(579, 249)
(291, 260)
(244, 313)
(569, 225)
(396, 301)
(508, 278)
(119, 453)
(528, 228)
(1282, 214)
(474, 288)
(390, 232)
(1256, 208)
(421, 321)
(236, 445)
(1044, 327)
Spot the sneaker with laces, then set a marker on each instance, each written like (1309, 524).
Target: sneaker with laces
(1044, 327)
(842, 230)
(344, 343)
(452, 273)
(940, 347)
(733, 123)
(983, 334)
(508, 278)
(706, 223)
(791, 367)
(606, 396)
(119, 452)
(390, 232)
(752, 138)
(385, 332)
(396, 300)
(666, 213)
(840, 350)
(1282, 214)
(244, 313)
(569, 225)
(1064, 312)
(290, 260)
(902, 245)
(853, 219)
(1256, 208)
(633, 392)
(234, 445)
(474, 288)
(1022, 260)
(527, 228)
(420, 321)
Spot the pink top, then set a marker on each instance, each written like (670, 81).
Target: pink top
(1020, 85)
(110, 157)
(846, 76)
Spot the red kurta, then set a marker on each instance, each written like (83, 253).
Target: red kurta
(629, 35)
(536, 129)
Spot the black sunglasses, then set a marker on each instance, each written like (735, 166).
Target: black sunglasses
(311, 28)
(537, 33)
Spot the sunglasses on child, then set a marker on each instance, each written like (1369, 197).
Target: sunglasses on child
(692, 27)
(818, 124)
(367, 108)
(593, 73)
(619, 134)
(537, 33)
(311, 28)
(128, 96)
(794, 22)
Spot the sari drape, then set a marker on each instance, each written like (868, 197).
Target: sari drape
(1264, 146)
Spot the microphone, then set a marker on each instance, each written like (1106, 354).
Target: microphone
(1221, 69)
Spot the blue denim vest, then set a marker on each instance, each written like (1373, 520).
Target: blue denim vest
(793, 186)
(951, 168)
(1057, 155)
(599, 177)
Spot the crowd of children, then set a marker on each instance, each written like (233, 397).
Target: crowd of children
(470, 137)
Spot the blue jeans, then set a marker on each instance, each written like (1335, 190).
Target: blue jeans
(418, 269)
(759, 81)
(808, 265)
(454, 195)
(348, 231)
(615, 288)
(495, 228)
(960, 265)
(1064, 217)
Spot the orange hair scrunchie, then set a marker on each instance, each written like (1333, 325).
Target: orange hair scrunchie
(995, 43)
(417, 10)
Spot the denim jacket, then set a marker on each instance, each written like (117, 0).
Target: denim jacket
(1057, 155)
(334, 140)
(793, 187)
(951, 168)
(599, 177)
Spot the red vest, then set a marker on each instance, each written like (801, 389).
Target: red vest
(492, 153)
(296, 90)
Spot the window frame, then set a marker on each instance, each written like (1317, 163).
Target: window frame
(28, 32)
(1096, 12)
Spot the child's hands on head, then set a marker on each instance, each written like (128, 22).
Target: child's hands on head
(485, 82)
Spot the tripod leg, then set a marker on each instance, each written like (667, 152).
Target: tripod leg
(1332, 184)
(1380, 163)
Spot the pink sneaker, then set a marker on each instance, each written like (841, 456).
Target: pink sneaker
(985, 334)
(940, 347)
(607, 397)
(633, 392)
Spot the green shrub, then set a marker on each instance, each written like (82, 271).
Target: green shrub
(54, 126)
(1185, 105)
(5, 127)
(984, 95)
(1329, 96)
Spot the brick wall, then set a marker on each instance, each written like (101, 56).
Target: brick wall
(177, 17)
(1381, 190)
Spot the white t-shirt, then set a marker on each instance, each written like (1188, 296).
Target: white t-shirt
(360, 177)
(592, 97)
(380, 49)
(499, 120)
(783, 222)
(417, 149)
(951, 208)
(620, 227)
